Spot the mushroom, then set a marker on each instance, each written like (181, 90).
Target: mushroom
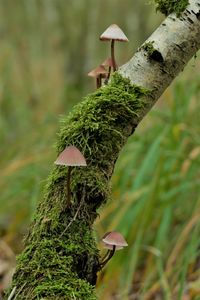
(7, 266)
(108, 63)
(70, 157)
(112, 240)
(98, 73)
(113, 33)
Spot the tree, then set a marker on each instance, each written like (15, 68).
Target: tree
(61, 260)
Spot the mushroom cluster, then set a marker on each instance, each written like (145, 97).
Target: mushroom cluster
(112, 33)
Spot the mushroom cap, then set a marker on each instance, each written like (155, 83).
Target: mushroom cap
(108, 62)
(71, 156)
(110, 247)
(113, 32)
(100, 70)
(114, 238)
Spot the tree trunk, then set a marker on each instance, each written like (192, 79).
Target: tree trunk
(61, 259)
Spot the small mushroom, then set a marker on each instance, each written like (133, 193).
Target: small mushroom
(70, 157)
(112, 240)
(98, 73)
(108, 63)
(113, 33)
(7, 267)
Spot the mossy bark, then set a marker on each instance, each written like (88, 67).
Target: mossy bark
(169, 6)
(61, 259)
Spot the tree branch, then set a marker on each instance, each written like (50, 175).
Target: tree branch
(175, 42)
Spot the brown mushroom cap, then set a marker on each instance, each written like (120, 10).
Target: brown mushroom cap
(114, 238)
(71, 156)
(100, 70)
(113, 32)
(108, 62)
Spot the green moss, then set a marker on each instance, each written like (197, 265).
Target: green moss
(149, 47)
(169, 6)
(152, 53)
(61, 259)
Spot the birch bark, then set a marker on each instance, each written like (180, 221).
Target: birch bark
(177, 40)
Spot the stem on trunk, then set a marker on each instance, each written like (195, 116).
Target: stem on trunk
(109, 257)
(113, 55)
(105, 256)
(108, 76)
(98, 83)
(68, 187)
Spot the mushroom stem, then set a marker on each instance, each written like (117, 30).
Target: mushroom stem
(68, 186)
(109, 72)
(104, 257)
(98, 82)
(111, 253)
(113, 55)
(108, 76)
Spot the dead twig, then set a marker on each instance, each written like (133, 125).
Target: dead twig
(12, 293)
(75, 216)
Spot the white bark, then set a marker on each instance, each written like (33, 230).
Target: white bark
(177, 40)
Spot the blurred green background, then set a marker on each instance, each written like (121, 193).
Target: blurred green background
(47, 47)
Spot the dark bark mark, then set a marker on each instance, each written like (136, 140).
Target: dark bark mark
(198, 15)
(157, 56)
(190, 20)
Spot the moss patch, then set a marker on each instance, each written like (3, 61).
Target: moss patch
(61, 259)
(152, 53)
(169, 6)
(48, 273)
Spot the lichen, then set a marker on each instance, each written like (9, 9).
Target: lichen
(61, 259)
(169, 6)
